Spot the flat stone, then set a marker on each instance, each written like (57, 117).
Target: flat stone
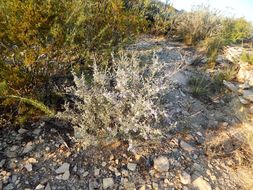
(36, 131)
(185, 146)
(28, 148)
(47, 187)
(230, 86)
(2, 162)
(9, 187)
(38, 187)
(66, 175)
(85, 174)
(131, 166)
(96, 172)
(63, 168)
(243, 101)
(161, 164)
(108, 182)
(11, 154)
(28, 167)
(248, 95)
(185, 178)
(22, 131)
(201, 184)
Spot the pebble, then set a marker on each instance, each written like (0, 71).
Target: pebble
(36, 131)
(66, 175)
(22, 131)
(108, 182)
(28, 167)
(201, 184)
(8, 187)
(161, 164)
(2, 162)
(85, 174)
(131, 166)
(63, 168)
(47, 187)
(96, 172)
(38, 187)
(28, 148)
(185, 178)
(185, 146)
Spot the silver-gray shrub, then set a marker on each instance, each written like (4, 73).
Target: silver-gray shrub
(123, 102)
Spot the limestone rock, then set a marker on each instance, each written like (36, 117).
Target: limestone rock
(185, 178)
(131, 166)
(201, 184)
(63, 168)
(161, 164)
(107, 182)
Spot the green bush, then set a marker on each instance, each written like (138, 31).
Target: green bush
(43, 39)
(208, 28)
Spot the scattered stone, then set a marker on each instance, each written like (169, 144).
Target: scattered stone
(36, 131)
(103, 164)
(2, 162)
(63, 168)
(201, 184)
(11, 154)
(185, 146)
(124, 173)
(85, 174)
(39, 187)
(28, 148)
(243, 101)
(230, 86)
(22, 131)
(155, 186)
(108, 182)
(28, 167)
(96, 172)
(248, 95)
(66, 175)
(131, 166)
(129, 185)
(161, 164)
(185, 178)
(47, 187)
(9, 187)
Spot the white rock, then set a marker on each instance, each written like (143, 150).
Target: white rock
(85, 174)
(66, 175)
(131, 166)
(28, 148)
(28, 167)
(39, 187)
(48, 187)
(22, 131)
(230, 86)
(243, 101)
(63, 168)
(186, 146)
(248, 95)
(161, 164)
(107, 182)
(201, 184)
(96, 172)
(185, 178)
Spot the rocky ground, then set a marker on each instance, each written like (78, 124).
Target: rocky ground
(201, 151)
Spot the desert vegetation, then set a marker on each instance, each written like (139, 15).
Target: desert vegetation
(136, 73)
